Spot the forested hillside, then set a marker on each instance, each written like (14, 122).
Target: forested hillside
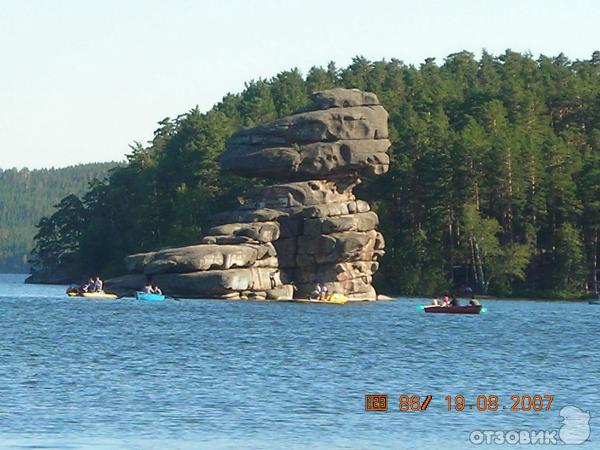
(494, 180)
(28, 195)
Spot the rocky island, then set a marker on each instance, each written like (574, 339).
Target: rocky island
(307, 228)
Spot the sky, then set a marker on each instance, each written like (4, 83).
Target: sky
(80, 80)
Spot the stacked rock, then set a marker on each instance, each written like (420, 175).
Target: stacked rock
(237, 260)
(343, 132)
(287, 237)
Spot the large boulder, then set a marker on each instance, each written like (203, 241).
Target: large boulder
(365, 221)
(300, 194)
(336, 272)
(336, 247)
(248, 215)
(227, 239)
(217, 282)
(343, 132)
(254, 231)
(271, 262)
(136, 263)
(356, 122)
(283, 292)
(368, 295)
(336, 209)
(358, 157)
(266, 250)
(200, 258)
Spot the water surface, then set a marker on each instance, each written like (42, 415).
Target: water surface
(232, 374)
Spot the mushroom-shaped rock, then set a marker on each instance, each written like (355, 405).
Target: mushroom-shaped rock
(307, 228)
(342, 132)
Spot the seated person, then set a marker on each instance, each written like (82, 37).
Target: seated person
(98, 285)
(317, 292)
(156, 290)
(454, 301)
(90, 286)
(148, 289)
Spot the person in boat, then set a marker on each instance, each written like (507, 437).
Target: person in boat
(98, 285)
(474, 302)
(436, 301)
(90, 286)
(324, 293)
(454, 301)
(148, 289)
(156, 290)
(317, 292)
(445, 300)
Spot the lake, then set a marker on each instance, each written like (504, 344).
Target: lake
(218, 374)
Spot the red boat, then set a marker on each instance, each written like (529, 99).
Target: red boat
(469, 309)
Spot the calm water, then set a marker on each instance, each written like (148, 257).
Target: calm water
(225, 374)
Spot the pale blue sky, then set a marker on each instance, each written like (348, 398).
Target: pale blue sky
(80, 80)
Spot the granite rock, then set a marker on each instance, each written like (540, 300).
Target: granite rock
(307, 228)
(306, 161)
(200, 258)
(334, 124)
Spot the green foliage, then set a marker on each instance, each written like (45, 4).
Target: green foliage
(568, 265)
(58, 238)
(28, 195)
(494, 181)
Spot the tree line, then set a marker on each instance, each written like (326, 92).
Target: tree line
(28, 195)
(494, 181)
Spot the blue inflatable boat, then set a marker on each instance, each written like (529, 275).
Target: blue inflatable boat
(149, 297)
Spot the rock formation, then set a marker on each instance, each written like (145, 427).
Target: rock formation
(287, 237)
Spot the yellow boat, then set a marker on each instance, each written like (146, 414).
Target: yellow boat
(338, 298)
(98, 295)
(335, 299)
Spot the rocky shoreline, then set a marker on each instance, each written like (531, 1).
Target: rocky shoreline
(59, 276)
